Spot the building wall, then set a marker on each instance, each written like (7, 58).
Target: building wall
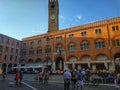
(108, 31)
(9, 52)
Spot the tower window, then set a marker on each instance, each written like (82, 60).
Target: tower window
(53, 4)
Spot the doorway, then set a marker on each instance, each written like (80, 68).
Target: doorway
(59, 64)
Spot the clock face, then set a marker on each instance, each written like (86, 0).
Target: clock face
(52, 17)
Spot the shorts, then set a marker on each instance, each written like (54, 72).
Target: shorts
(79, 83)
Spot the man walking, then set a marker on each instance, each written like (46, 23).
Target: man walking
(79, 80)
(67, 78)
(21, 76)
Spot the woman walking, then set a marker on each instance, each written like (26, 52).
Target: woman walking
(17, 77)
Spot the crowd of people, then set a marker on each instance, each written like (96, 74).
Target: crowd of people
(43, 76)
(77, 78)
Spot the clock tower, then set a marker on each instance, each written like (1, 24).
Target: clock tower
(53, 10)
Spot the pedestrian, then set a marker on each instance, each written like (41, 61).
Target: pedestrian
(117, 81)
(21, 76)
(67, 78)
(87, 76)
(17, 77)
(4, 75)
(40, 76)
(79, 80)
(73, 79)
(45, 76)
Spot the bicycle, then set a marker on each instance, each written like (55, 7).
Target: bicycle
(93, 81)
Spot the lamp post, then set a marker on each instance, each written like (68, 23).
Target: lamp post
(47, 41)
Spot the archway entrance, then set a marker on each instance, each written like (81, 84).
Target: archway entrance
(59, 64)
(4, 66)
(15, 69)
(117, 62)
(10, 68)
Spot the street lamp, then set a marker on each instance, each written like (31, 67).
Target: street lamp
(47, 50)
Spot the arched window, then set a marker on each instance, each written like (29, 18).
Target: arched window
(72, 47)
(31, 52)
(59, 48)
(99, 44)
(39, 51)
(48, 49)
(116, 42)
(84, 45)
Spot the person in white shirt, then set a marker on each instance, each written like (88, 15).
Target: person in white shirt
(67, 78)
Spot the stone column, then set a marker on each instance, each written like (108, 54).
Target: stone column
(89, 64)
(106, 65)
(73, 65)
(60, 64)
(94, 66)
(53, 66)
(65, 66)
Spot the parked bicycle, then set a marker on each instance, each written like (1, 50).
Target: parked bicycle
(93, 81)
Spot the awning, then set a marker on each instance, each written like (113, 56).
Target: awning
(37, 66)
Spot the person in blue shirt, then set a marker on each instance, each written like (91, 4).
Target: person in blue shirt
(21, 76)
(67, 78)
(79, 80)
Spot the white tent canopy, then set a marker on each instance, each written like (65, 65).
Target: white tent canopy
(28, 66)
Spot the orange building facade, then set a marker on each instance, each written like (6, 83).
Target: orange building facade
(95, 45)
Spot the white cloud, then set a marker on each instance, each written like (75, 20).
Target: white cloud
(62, 18)
(79, 17)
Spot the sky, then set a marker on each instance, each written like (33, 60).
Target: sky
(25, 18)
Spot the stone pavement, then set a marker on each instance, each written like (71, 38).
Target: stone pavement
(4, 85)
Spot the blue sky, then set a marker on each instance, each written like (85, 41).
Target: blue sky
(24, 18)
